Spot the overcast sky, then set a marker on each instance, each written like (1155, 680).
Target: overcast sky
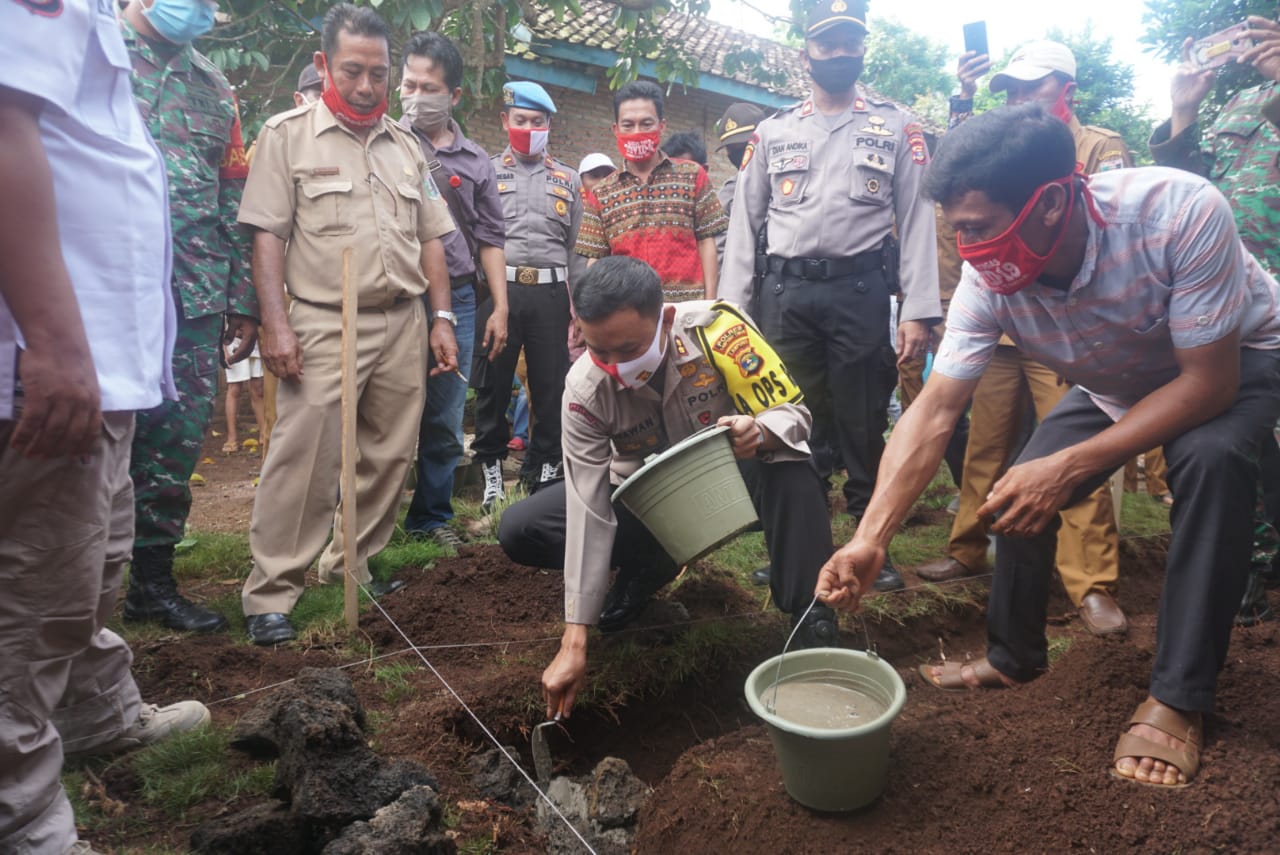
(1010, 23)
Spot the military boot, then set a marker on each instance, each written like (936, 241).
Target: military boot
(153, 595)
(818, 629)
(1254, 607)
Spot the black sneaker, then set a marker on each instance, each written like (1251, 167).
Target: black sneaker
(819, 629)
(1254, 607)
(889, 579)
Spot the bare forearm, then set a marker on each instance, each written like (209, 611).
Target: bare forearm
(439, 292)
(34, 281)
(268, 278)
(494, 263)
(710, 266)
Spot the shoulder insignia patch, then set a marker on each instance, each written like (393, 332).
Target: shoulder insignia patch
(915, 140)
(586, 415)
(235, 163)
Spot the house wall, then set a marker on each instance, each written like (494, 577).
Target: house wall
(582, 124)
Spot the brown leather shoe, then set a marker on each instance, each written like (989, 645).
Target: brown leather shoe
(1101, 615)
(943, 570)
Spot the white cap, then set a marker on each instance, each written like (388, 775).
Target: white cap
(1035, 61)
(595, 160)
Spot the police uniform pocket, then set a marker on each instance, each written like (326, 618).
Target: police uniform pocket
(408, 207)
(324, 208)
(872, 177)
(559, 203)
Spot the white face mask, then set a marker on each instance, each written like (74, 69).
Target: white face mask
(639, 371)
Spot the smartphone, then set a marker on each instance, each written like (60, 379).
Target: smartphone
(975, 38)
(1222, 47)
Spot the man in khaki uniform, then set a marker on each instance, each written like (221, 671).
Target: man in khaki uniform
(647, 384)
(834, 177)
(329, 176)
(1088, 542)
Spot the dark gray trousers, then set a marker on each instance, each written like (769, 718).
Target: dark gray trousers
(1213, 471)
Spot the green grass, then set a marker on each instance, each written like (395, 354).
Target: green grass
(1143, 516)
(1058, 646)
(403, 552)
(395, 679)
(215, 557)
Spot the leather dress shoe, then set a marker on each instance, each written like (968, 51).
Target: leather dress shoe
(944, 570)
(761, 575)
(379, 589)
(271, 628)
(889, 579)
(629, 596)
(1101, 615)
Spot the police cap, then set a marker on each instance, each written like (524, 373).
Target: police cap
(738, 123)
(309, 78)
(829, 14)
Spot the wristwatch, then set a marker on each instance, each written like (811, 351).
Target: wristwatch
(448, 316)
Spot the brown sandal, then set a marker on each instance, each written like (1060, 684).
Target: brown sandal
(951, 681)
(1165, 719)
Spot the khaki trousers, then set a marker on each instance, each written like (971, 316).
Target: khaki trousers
(298, 491)
(1156, 470)
(1088, 542)
(66, 528)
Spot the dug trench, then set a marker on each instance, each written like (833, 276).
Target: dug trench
(1017, 770)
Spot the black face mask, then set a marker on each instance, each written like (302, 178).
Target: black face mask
(837, 74)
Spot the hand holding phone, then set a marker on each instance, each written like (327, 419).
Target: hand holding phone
(975, 38)
(975, 61)
(1224, 46)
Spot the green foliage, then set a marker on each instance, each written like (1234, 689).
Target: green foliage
(1169, 23)
(910, 68)
(395, 677)
(184, 770)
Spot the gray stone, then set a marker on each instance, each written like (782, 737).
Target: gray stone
(408, 826)
(616, 795)
(332, 789)
(265, 829)
(494, 776)
(263, 730)
(603, 808)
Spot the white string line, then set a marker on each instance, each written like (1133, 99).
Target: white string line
(497, 744)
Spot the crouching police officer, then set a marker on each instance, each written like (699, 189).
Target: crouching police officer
(832, 177)
(657, 374)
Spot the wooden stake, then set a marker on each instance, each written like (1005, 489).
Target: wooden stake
(350, 553)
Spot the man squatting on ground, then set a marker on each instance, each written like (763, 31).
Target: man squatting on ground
(647, 385)
(87, 329)
(333, 174)
(1133, 285)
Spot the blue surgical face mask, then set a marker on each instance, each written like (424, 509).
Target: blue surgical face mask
(181, 21)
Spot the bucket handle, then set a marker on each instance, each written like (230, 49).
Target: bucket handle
(772, 706)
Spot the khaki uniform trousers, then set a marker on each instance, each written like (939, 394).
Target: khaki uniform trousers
(1088, 542)
(66, 528)
(298, 490)
(1155, 470)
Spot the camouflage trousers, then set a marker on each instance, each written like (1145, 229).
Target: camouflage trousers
(169, 437)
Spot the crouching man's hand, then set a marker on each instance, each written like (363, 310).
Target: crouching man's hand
(849, 574)
(747, 435)
(564, 677)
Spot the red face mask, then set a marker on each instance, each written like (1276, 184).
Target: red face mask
(1005, 264)
(638, 147)
(1060, 108)
(344, 112)
(528, 141)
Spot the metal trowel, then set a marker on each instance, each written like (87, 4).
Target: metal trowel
(542, 751)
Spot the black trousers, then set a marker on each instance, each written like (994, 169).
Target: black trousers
(538, 321)
(1214, 472)
(833, 334)
(787, 496)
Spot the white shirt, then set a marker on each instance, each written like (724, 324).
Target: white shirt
(112, 202)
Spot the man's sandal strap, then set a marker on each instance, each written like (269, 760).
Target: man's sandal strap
(1167, 720)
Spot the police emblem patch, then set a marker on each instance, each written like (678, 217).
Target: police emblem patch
(561, 207)
(873, 186)
(875, 125)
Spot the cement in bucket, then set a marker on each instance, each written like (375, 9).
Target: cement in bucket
(691, 497)
(833, 767)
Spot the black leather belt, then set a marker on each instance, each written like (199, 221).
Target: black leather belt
(827, 268)
(456, 282)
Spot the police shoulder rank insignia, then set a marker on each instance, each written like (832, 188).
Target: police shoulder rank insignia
(859, 105)
(561, 207)
(806, 108)
(749, 151)
(876, 126)
(915, 140)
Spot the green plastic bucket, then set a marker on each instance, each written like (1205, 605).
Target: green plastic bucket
(831, 769)
(691, 497)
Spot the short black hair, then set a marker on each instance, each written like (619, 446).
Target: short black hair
(614, 283)
(1006, 153)
(357, 20)
(638, 90)
(442, 52)
(689, 145)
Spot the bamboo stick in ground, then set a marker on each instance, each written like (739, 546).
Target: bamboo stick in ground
(350, 553)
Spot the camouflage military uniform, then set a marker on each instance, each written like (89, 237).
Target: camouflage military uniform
(1240, 154)
(190, 110)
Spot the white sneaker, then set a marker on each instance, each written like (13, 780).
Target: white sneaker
(550, 472)
(493, 487)
(155, 724)
(82, 847)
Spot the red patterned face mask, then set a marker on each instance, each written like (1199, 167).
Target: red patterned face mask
(1005, 264)
(638, 147)
(344, 112)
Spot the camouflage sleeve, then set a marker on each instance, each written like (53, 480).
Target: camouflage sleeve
(241, 298)
(1181, 151)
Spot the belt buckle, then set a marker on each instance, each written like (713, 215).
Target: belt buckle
(815, 268)
(527, 275)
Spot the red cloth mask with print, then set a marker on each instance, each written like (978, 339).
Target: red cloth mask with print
(344, 112)
(638, 147)
(1004, 263)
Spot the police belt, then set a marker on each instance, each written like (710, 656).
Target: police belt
(536, 275)
(827, 268)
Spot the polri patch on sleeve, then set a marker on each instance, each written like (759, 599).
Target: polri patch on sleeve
(915, 140)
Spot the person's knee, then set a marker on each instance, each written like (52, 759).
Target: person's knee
(519, 535)
(1212, 455)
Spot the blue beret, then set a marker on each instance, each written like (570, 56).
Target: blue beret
(527, 95)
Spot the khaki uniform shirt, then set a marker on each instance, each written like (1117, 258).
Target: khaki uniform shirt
(608, 431)
(542, 203)
(834, 187)
(318, 186)
(1098, 149)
